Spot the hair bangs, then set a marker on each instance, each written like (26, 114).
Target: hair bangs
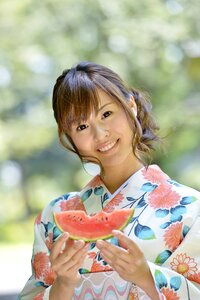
(81, 98)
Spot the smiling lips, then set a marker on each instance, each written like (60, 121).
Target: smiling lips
(107, 147)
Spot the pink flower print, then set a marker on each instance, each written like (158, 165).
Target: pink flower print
(163, 197)
(173, 236)
(97, 267)
(74, 203)
(49, 276)
(154, 174)
(194, 277)
(184, 265)
(40, 264)
(39, 296)
(169, 294)
(92, 255)
(114, 202)
(133, 294)
(42, 268)
(96, 181)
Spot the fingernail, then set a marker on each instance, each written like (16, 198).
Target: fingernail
(99, 244)
(85, 250)
(78, 244)
(65, 235)
(87, 246)
(116, 232)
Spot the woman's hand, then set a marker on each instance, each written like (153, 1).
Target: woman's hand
(129, 262)
(66, 263)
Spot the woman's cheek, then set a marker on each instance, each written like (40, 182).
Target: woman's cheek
(83, 144)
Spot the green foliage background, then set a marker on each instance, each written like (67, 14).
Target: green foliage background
(154, 45)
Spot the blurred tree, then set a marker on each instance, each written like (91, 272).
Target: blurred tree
(152, 44)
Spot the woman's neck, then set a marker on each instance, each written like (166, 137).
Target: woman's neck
(113, 177)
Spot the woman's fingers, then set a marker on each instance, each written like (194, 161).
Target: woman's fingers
(127, 243)
(67, 255)
(130, 252)
(57, 246)
(111, 252)
(77, 259)
(66, 258)
(114, 257)
(69, 252)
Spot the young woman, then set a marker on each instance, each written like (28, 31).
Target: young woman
(157, 256)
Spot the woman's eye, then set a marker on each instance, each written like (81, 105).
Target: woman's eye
(107, 114)
(81, 127)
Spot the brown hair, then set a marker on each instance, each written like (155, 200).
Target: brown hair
(75, 95)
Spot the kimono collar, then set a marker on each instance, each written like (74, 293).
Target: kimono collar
(95, 195)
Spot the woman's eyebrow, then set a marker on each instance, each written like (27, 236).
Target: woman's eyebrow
(102, 107)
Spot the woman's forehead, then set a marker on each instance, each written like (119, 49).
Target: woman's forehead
(104, 101)
(104, 98)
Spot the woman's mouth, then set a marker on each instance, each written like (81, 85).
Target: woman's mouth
(107, 147)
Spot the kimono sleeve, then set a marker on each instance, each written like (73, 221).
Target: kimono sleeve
(179, 276)
(39, 284)
(45, 233)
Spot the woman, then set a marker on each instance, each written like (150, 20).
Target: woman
(157, 256)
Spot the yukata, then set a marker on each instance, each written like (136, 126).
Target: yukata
(165, 225)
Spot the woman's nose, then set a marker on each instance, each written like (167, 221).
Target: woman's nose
(100, 133)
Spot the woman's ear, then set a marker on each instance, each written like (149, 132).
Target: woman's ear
(133, 105)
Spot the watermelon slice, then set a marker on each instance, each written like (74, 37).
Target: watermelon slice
(91, 228)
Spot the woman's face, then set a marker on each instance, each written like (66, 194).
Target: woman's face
(107, 135)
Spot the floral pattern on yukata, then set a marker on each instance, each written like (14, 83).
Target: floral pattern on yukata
(165, 221)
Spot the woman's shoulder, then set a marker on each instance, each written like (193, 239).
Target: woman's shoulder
(185, 190)
(155, 174)
(167, 187)
(188, 198)
(188, 194)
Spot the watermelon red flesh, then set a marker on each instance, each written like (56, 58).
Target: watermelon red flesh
(91, 228)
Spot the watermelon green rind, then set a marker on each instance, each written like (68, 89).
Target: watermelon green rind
(95, 238)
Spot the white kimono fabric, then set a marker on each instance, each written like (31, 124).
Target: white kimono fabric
(165, 225)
